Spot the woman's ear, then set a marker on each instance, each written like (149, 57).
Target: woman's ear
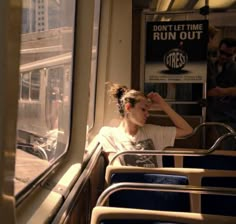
(127, 107)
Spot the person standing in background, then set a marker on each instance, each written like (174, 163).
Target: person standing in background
(221, 91)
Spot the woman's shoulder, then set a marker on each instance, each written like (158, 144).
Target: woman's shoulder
(151, 126)
(106, 130)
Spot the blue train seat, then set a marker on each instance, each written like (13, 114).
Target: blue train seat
(220, 162)
(154, 200)
(168, 161)
(157, 200)
(219, 204)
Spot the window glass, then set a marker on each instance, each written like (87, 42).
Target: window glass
(45, 86)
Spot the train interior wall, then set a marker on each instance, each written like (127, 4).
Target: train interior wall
(122, 58)
(119, 62)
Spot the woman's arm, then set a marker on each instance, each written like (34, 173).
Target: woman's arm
(182, 126)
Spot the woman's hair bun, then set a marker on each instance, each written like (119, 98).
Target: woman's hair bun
(120, 92)
(116, 90)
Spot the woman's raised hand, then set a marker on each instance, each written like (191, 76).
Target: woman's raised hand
(155, 98)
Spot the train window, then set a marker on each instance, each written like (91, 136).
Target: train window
(44, 105)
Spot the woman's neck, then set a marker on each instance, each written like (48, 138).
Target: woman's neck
(128, 127)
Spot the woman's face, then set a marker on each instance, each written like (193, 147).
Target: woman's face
(139, 113)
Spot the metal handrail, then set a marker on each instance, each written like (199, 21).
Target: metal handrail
(204, 124)
(222, 138)
(201, 152)
(162, 187)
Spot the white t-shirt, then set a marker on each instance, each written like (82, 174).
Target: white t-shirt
(148, 137)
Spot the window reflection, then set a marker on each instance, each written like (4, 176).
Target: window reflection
(25, 86)
(35, 85)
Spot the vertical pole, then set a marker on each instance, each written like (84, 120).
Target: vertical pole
(10, 30)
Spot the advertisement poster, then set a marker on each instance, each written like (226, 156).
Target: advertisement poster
(176, 52)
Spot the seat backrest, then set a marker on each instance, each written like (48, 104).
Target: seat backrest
(147, 199)
(168, 161)
(109, 215)
(211, 161)
(194, 176)
(150, 199)
(173, 201)
(219, 204)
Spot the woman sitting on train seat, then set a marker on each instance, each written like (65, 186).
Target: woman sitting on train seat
(132, 132)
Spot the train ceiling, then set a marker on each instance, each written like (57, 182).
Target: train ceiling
(175, 5)
(170, 5)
